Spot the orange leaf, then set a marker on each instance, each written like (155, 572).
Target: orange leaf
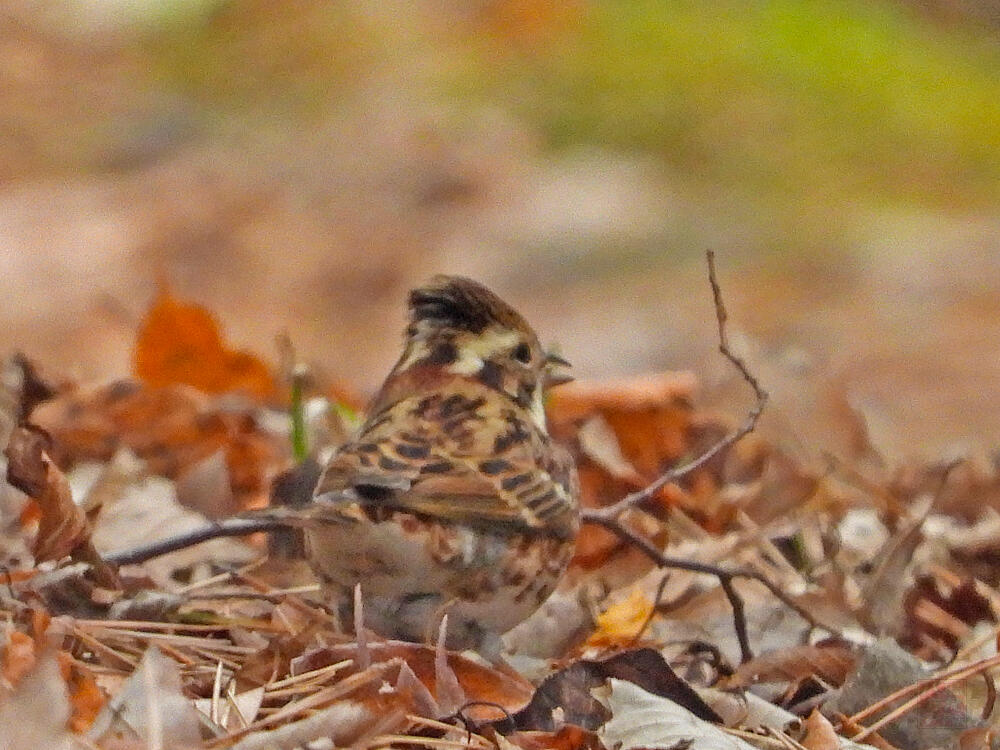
(18, 657)
(171, 428)
(85, 697)
(480, 682)
(649, 414)
(620, 623)
(629, 431)
(180, 342)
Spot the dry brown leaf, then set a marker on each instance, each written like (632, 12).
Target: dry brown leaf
(942, 607)
(819, 733)
(172, 429)
(62, 526)
(571, 690)
(569, 737)
(649, 415)
(830, 662)
(180, 342)
(478, 681)
(627, 432)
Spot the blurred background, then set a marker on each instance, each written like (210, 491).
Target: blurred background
(297, 165)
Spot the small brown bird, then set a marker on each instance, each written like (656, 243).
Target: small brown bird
(452, 499)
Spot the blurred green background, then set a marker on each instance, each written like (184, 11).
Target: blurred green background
(296, 165)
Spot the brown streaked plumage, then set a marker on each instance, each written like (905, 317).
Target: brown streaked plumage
(452, 499)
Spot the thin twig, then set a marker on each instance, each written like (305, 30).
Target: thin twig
(610, 516)
(724, 575)
(223, 528)
(944, 681)
(652, 610)
(634, 499)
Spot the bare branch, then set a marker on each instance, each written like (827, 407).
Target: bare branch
(725, 576)
(598, 515)
(226, 527)
(610, 517)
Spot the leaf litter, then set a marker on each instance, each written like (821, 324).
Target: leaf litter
(886, 574)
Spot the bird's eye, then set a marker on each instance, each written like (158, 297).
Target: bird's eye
(522, 353)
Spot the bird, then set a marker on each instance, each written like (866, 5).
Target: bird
(452, 499)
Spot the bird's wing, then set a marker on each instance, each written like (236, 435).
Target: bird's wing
(406, 463)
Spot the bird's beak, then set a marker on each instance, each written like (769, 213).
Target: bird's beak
(555, 359)
(553, 378)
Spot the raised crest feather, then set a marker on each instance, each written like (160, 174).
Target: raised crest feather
(461, 303)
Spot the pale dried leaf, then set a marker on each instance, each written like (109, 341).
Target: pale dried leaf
(36, 713)
(643, 720)
(564, 620)
(235, 711)
(206, 487)
(885, 590)
(410, 686)
(746, 710)
(862, 534)
(148, 511)
(821, 736)
(600, 444)
(150, 706)
(448, 690)
(108, 482)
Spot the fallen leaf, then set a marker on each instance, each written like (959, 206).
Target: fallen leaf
(570, 690)
(148, 511)
(620, 623)
(745, 710)
(642, 720)
(85, 697)
(180, 342)
(150, 706)
(36, 713)
(563, 621)
(477, 681)
(626, 433)
(62, 525)
(172, 429)
(342, 723)
(18, 657)
(569, 737)
(649, 415)
(829, 662)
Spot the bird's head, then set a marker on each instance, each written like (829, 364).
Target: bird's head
(460, 326)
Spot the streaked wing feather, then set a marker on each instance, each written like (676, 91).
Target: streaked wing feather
(405, 462)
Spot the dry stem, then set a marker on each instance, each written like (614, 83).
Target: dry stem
(610, 516)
